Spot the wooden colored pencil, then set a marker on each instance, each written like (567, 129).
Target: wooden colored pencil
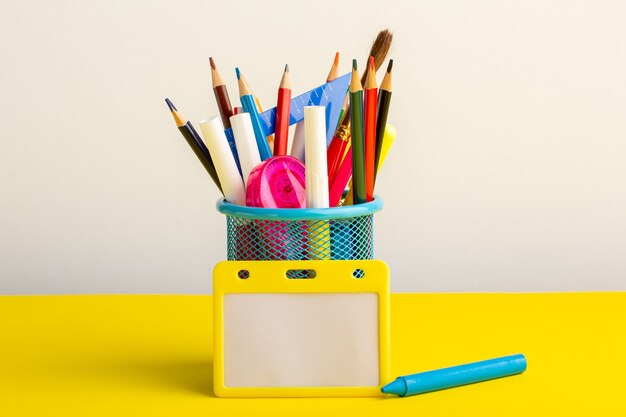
(221, 95)
(334, 70)
(249, 106)
(297, 148)
(195, 142)
(371, 103)
(281, 135)
(357, 134)
(384, 100)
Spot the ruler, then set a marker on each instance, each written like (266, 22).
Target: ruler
(331, 95)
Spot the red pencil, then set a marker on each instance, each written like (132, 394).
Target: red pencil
(282, 114)
(371, 103)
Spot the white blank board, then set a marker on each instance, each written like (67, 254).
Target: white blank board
(301, 340)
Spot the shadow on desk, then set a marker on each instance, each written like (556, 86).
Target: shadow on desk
(192, 376)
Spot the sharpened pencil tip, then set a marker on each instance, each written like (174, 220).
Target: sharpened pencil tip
(170, 105)
(238, 73)
(212, 62)
(286, 67)
(354, 64)
(390, 66)
(336, 62)
(372, 66)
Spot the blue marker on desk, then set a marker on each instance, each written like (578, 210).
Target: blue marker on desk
(456, 376)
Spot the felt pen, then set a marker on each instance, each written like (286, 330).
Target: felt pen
(456, 376)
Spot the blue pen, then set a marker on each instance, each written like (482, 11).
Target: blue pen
(249, 106)
(456, 376)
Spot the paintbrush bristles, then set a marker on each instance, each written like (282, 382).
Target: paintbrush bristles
(380, 49)
(381, 46)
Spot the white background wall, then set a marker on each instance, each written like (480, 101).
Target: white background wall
(509, 172)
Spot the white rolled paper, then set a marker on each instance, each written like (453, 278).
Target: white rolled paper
(224, 161)
(245, 140)
(315, 149)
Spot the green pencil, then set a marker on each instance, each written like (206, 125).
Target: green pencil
(358, 140)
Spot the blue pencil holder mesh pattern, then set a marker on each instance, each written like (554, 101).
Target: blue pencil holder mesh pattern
(339, 233)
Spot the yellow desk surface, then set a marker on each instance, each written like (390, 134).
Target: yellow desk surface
(151, 356)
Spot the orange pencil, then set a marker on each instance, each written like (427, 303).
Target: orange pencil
(371, 104)
(281, 134)
(334, 70)
(341, 139)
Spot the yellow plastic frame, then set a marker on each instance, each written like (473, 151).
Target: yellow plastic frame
(270, 277)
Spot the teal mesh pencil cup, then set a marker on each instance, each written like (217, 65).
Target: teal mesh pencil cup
(338, 233)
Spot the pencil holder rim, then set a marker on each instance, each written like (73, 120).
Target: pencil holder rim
(332, 213)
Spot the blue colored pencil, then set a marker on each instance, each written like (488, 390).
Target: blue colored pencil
(249, 106)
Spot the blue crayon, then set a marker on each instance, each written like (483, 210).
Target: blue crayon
(456, 376)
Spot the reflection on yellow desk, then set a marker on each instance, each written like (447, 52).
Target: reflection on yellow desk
(151, 356)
